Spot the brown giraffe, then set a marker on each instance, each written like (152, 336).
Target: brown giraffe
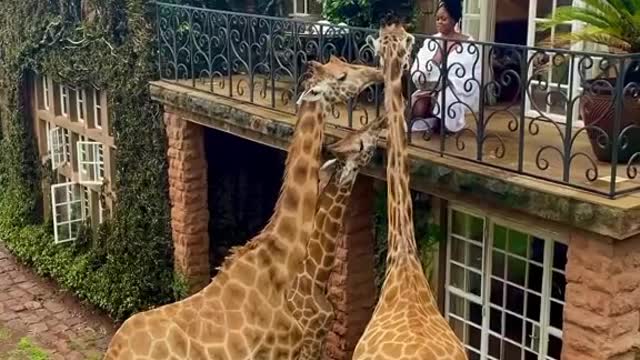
(406, 323)
(308, 298)
(242, 313)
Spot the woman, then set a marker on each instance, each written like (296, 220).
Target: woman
(463, 80)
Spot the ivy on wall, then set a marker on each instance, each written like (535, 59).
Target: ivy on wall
(127, 264)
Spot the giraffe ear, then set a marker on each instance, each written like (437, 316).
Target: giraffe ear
(410, 40)
(326, 172)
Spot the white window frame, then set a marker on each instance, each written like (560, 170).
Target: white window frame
(81, 98)
(58, 146)
(90, 161)
(45, 92)
(64, 100)
(97, 109)
(545, 330)
(573, 76)
(73, 198)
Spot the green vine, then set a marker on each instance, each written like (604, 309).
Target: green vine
(127, 264)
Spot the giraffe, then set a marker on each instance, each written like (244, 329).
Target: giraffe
(308, 298)
(406, 323)
(242, 313)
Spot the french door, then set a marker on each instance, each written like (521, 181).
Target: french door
(555, 77)
(504, 291)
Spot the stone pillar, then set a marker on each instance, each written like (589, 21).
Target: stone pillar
(602, 311)
(352, 288)
(188, 194)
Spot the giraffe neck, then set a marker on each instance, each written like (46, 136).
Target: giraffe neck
(292, 220)
(399, 206)
(321, 249)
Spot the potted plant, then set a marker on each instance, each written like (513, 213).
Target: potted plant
(616, 24)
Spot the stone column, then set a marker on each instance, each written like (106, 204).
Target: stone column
(188, 194)
(352, 288)
(602, 311)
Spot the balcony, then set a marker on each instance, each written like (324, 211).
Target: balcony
(553, 116)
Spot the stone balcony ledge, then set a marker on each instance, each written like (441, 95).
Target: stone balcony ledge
(444, 176)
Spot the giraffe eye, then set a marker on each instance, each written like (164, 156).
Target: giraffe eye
(342, 77)
(361, 145)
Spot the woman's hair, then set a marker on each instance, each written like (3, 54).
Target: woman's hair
(454, 8)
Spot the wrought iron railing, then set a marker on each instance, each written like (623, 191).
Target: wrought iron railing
(563, 116)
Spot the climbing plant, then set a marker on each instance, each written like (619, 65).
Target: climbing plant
(126, 265)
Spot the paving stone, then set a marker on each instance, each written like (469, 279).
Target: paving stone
(30, 304)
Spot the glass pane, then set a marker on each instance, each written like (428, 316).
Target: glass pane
(532, 341)
(513, 327)
(476, 228)
(511, 351)
(516, 269)
(60, 194)
(62, 213)
(473, 355)
(456, 276)
(457, 306)
(495, 321)
(544, 8)
(458, 224)
(533, 306)
(475, 337)
(535, 278)
(515, 299)
(472, 7)
(457, 250)
(300, 5)
(497, 292)
(497, 264)
(315, 7)
(63, 232)
(518, 243)
(475, 283)
(474, 258)
(536, 253)
(554, 348)
(499, 237)
(558, 284)
(559, 256)
(458, 328)
(556, 315)
(494, 347)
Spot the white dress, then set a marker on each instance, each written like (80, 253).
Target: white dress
(464, 64)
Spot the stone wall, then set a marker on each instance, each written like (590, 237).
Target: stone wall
(352, 284)
(602, 311)
(188, 194)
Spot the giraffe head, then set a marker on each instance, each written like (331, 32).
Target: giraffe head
(337, 81)
(353, 152)
(394, 42)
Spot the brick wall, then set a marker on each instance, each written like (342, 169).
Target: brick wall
(351, 285)
(602, 311)
(188, 194)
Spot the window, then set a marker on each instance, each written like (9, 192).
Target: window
(86, 202)
(64, 100)
(59, 146)
(45, 92)
(313, 7)
(80, 96)
(97, 109)
(67, 211)
(504, 289)
(90, 162)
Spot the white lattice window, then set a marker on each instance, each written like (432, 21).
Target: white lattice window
(86, 202)
(97, 109)
(45, 92)
(64, 100)
(80, 104)
(68, 216)
(90, 162)
(59, 146)
(504, 289)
